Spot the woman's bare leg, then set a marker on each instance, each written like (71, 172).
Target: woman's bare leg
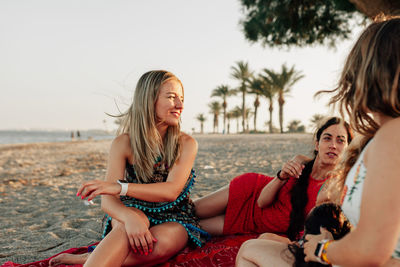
(115, 250)
(211, 210)
(171, 238)
(213, 204)
(214, 225)
(67, 259)
(112, 250)
(261, 252)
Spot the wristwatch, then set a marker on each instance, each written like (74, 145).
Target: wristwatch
(320, 249)
(124, 187)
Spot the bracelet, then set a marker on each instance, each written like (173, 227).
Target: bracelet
(278, 175)
(320, 251)
(324, 257)
(124, 187)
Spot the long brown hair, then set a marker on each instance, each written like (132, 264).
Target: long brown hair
(298, 194)
(370, 82)
(370, 79)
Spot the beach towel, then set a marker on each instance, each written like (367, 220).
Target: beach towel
(219, 251)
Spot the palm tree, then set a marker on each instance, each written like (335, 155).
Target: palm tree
(201, 119)
(215, 108)
(268, 91)
(283, 83)
(242, 73)
(229, 117)
(223, 91)
(316, 120)
(236, 113)
(256, 87)
(295, 127)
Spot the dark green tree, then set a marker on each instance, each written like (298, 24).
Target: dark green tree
(297, 22)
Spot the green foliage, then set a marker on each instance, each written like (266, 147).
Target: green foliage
(316, 120)
(297, 22)
(295, 126)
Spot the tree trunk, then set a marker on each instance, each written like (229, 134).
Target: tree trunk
(255, 119)
(237, 125)
(229, 125)
(244, 109)
(202, 127)
(271, 108)
(281, 102)
(256, 104)
(371, 8)
(224, 106)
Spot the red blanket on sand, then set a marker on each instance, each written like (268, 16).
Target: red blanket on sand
(220, 251)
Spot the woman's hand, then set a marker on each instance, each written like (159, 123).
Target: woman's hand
(94, 188)
(311, 244)
(139, 235)
(293, 167)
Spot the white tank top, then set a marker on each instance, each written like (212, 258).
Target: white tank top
(353, 188)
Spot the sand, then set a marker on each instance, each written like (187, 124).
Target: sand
(41, 215)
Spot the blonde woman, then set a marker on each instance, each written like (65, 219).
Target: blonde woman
(149, 177)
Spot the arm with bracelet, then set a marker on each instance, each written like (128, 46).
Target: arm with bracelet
(292, 168)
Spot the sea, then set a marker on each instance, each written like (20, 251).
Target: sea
(43, 136)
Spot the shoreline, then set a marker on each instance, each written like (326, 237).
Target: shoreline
(38, 182)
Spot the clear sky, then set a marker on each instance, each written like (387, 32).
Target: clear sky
(64, 63)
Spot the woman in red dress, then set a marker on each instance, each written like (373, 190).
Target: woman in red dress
(255, 203)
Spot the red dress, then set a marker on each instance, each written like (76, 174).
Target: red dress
(243, 214)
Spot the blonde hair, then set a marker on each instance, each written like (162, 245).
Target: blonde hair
(140, 123)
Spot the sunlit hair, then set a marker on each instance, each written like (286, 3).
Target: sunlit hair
(140, 123)
(370, 82)
(371, 77)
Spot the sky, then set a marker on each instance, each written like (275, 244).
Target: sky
(64, 64)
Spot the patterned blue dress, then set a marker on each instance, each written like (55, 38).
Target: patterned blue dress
(181, 210)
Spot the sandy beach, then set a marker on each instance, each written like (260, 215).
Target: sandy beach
(41, 215)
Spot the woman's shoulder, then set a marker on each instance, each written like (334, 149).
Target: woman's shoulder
(122, 143)
(388, 134)
(187, 140)
(122, 140)
(386, 142)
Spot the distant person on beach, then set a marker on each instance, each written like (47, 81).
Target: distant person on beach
(150, 216)
(255, 203)
(369, 92)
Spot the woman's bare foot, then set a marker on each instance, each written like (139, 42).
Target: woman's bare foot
(69, 259)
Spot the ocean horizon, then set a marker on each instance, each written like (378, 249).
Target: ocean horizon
(44, 136)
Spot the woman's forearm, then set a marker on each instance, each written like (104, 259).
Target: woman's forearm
(269, 192)
(116, 209)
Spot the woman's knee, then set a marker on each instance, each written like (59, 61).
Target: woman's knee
(164, 236)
